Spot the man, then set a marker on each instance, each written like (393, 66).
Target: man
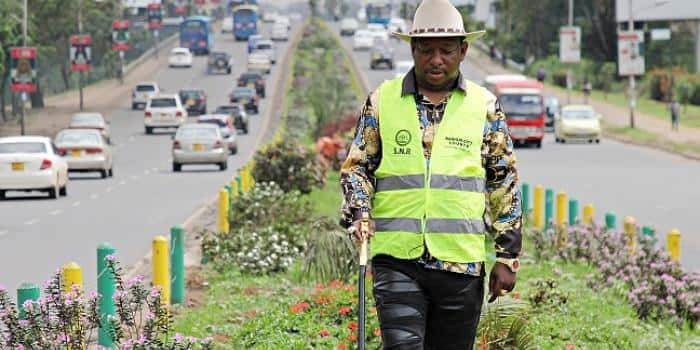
(433, 163)
(675, 108)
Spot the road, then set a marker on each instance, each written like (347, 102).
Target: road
(145, 198)
(655, 187)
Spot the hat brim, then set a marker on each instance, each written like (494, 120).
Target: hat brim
(468, 37)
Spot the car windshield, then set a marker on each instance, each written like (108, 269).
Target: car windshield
(218, 122)
(227, 109)
(86, 119)
(180, 53)
(248, 77)
(524, 105)
(258, 57)
(22, 147)
(243, 93)
(78, 138)
(145, 88)
(578, 114)
(196, 132)
(263, 46)
(217, 55)
(163, 102)
(190, 94)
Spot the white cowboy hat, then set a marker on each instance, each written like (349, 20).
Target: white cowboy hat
(438, 18)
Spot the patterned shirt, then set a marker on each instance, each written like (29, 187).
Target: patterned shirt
(503, 208)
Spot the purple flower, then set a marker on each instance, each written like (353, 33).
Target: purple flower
(93, 295)
(110, 257)
(155, 292)
(142, 340)
(27, 305)
(23, 323)
(192, 339)
(177, 338)
(19, 347)
(207, 340)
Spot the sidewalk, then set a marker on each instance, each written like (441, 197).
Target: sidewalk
(613, 115)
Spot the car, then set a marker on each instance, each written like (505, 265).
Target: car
(401, 68)
(382, 55)
(219, 61)
(252, 40)
(164, 111)
(85, 151)
(283, 20)
(32, 163)
(348, 26)
(552, 110)
(226, 126)
(195, 101)
(199, 144)
(362, 40)
(142, 92)
(253, 80)
(398, 25)
(246, 97)
(227, 25)
(259, 62)
(180, 57)
(280, 32)
(266, 47)
(237, 111)
(91, 120)
(378, 31)
(577, 123)
(270, 17)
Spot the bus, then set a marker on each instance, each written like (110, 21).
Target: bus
(196, 34)
(523, 103)
(245, 22)
(232, 4)
(379, 11)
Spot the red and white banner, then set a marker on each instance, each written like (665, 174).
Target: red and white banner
(120, 35)
(23, 69)
(80, 53)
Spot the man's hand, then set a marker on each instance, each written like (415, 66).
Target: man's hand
(501, 279)
(356, 230)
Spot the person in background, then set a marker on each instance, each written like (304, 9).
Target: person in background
(675, 108)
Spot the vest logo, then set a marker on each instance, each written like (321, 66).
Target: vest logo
(402, 138)
(458, 143)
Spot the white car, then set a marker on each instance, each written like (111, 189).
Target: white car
(142, 92)
(266, 47)
(226, 126)
(362, 40)
(259, 62)
(280, 32)
(31, 163)
(270, 17)
(398, 25)
(164, 111)
(348, 26)
(180, 57)
(199, 144)
(402, 68)
(283, 20)
(378, 31)
(227, 25)
(91, 120)
(577, 123)
(85, 151)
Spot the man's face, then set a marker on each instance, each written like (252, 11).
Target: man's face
(437, 61)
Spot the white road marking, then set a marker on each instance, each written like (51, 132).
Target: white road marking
(31, 222)
(76, 204)
(56, 212)
(122, 182)
(94, 196)
(2, 233)
(108, 189)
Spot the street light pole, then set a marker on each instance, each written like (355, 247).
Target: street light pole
(23, 95)
(632, 97)
(80, 32)
(568, 70)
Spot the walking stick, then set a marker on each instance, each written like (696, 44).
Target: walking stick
(364, 230)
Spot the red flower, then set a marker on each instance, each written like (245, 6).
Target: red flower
(570, 346)
(373, 310)
(335, 284)
(319, 286)
(321, 300)
(516, 295)
(300, 307)
(352, 337)
(324, 333)
(352, 325)
(345, 310)
(377, 332)
(342, 346)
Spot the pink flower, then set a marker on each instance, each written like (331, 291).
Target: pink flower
(178, 338)
(110, 257)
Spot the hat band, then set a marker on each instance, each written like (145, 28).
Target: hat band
(438, 30)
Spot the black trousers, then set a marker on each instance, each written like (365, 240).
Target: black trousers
(425, 309)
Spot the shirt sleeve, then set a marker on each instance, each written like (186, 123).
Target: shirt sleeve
(503, 215)
(357, 172)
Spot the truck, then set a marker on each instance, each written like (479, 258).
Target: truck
(523, 103)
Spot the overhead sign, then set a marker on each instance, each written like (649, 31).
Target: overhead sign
(630, 52)
(23, 69)
(120, 35)
(661, 34)
(80, 53)
(570, 44)
(155, 16)
(139, 3)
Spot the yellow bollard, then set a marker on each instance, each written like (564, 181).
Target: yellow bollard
(538, 207)
(561, 209)
(234, 189)
(72, 275)
(630, 227)
(588, 213)
(223, 211)
(673, 240)
(161, 270)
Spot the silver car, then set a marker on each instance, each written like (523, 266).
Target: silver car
(85, 150)
(199, 144)
(226, 126)
(91, 120)
(142, 92)
(266, 47)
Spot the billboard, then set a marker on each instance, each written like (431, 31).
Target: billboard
(155, 16)
(570, 44)
(630, 52)
(139, 3)
(23, 69)
(80, 53)
(120, 35)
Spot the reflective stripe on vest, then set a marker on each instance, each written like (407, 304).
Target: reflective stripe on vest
(440, 207)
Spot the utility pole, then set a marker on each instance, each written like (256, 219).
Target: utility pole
(632, 97)
(23, 95)
(80, 32)
(568, 69)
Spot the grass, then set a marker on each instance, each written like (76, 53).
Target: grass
(635, 134)
(327, 200)
(647, 138)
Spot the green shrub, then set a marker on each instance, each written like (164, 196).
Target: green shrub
(559, 77)
(291, 165)
(330, 254)
(545, 293)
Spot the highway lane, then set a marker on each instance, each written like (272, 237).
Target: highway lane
(657, 188)
(144, 199)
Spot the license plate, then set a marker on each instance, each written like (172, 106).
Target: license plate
(75, 153)
(190, 102)
(197, 147)
(244, 102)
(164, 116)
(17, 166)
(251, 85)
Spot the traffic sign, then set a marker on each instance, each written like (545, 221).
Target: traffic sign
(120, 35)
(80, 53)
(570, 44)
(155, 16)
(630, 52)
(23, 69)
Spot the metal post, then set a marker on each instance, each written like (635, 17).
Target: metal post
(72, 276)
(26, 291)
(161, 274)
(80, 31)
(568, 70)
(632, 97)
(177, 265)
(526, 200)
(610, 220)
(105, 288)
(573, 212)
(548, 208)
(24, 43)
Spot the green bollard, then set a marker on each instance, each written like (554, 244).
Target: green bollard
(26, 291)
(548, 207)
(610, 220)
(573, 211)
(177, 265)
(526, 200)
(105, 289)
(650, 233)
(239, 181)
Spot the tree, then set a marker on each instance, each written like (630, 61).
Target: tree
(10, 35)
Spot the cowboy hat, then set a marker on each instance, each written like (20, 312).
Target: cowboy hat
(438, 18)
